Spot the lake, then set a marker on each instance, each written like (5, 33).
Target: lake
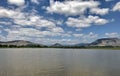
(59, 62)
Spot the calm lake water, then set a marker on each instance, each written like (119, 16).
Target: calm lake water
(59, 62)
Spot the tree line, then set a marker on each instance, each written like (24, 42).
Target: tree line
(44, 46)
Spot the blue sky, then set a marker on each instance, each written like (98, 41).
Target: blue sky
(59, 21)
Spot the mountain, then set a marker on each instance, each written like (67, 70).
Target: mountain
(57, 45)
(18, 43)
(106, 42)
(98, 42)
(82, 44)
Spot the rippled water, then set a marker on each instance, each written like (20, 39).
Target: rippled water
(59, 62)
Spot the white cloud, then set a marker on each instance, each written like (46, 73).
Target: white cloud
(116, 7)
(78, 35)
(97, 20)
(114, 34)
(2, 38)
(23, 32)
(57, 29)
(35, 1)
(35, 22)
(26, 19)
(108, 0)
(5, 23)
(71, 7)
(17, 2)
(99, 11)
(77, 22)
(91, 35)
(61, 41)
(85, 36)
(79, 29)
(40, 27)
(79, 7)
(8, 13)
(83, 22)
(34, 32)
(76, 7)
(58, 21)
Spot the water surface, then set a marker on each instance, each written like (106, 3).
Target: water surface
(59, 62)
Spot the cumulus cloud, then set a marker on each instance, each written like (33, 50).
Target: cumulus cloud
(26, 19)
(76, 7)
(36, 36)
(83, 22)
(116, 7)
(23, 32)
(71, 7)
(8, 13)
(85, 36)
(30, 33)
(99, 11)
(57, 29)
(36, 23)
(32, 26)
(17, 2)
(112, 35)
(79, 7)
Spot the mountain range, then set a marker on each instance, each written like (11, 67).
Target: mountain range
(98, 42)
(18, 43)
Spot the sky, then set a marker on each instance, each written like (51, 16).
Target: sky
(59, 21)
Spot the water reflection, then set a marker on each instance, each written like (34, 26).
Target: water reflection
(59, 62)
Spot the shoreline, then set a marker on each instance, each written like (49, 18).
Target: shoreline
(118, 48)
